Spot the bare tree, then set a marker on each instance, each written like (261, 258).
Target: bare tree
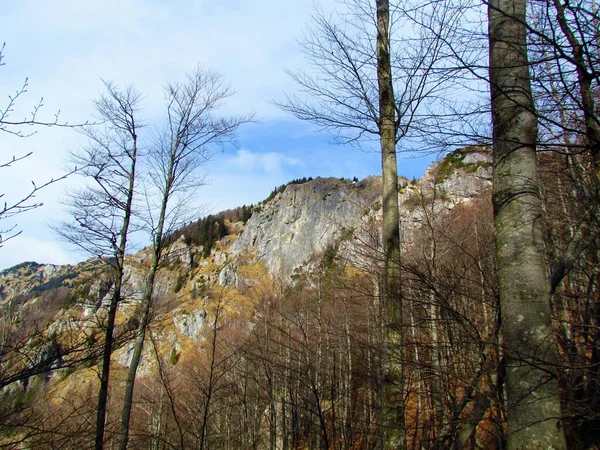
(102, 212)
(392, 376)
(27, 200)
(374, 80)
(178, 150)
(564, 58)
(533, 407)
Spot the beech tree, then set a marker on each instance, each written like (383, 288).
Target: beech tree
(185, 143)
(533, 403)
(394, 427)
(373, 80)
(102, 212)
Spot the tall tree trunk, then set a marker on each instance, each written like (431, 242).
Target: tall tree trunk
(114, 303)
(138, 346)
(211, 377)
(392, 388)
(533, 404)
(145, 318)
(106, 355)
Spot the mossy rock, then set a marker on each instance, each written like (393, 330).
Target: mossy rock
(456, 160)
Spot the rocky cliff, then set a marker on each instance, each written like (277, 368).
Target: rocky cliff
(282, 233)
(306, 218)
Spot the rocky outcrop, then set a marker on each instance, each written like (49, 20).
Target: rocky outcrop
(302, 220)
(228, 276)
(306, 218)
(463, 174)
(190, 324)
(181, 253)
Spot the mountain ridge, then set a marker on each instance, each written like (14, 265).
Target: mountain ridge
(302, 219)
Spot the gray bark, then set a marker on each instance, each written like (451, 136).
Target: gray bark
(392, 388)
(533, 404)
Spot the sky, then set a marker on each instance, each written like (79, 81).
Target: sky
(65, 49)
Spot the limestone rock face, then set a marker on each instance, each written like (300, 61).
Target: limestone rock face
(228, 277)
(180, 252)
(463, 174)
(473, 175)
(49, 270)
(190, 324)
(305, 218)
(302, 220)
(133, 288)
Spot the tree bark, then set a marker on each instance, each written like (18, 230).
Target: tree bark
(144, 320)
(533, 404)
(137, 354)
(392, 384)
(124, 104)
(106, 355)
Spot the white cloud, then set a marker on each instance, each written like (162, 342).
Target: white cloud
(271, 163)
(26, 248)
(65, 47)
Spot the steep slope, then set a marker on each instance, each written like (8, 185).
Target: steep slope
(283, 233)
(303, 220)
(306, 218)
(46, 310)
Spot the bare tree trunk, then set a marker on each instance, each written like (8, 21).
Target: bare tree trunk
(211, 376)
(177, 153)
(145, 311)
(137, 351)
(349, 405)
(533, 410)
(169, 392)
(272, 410)
(106, 355)
(114, 302)
(392, 389)
(102, 211)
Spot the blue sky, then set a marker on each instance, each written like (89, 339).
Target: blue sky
(66, 47)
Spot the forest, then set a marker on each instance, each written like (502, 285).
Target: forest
(478, 329)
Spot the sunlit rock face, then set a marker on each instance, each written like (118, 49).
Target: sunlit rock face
(306, 218)
(303, 220)
(190, 324)
(462, 174)
(282, 234)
